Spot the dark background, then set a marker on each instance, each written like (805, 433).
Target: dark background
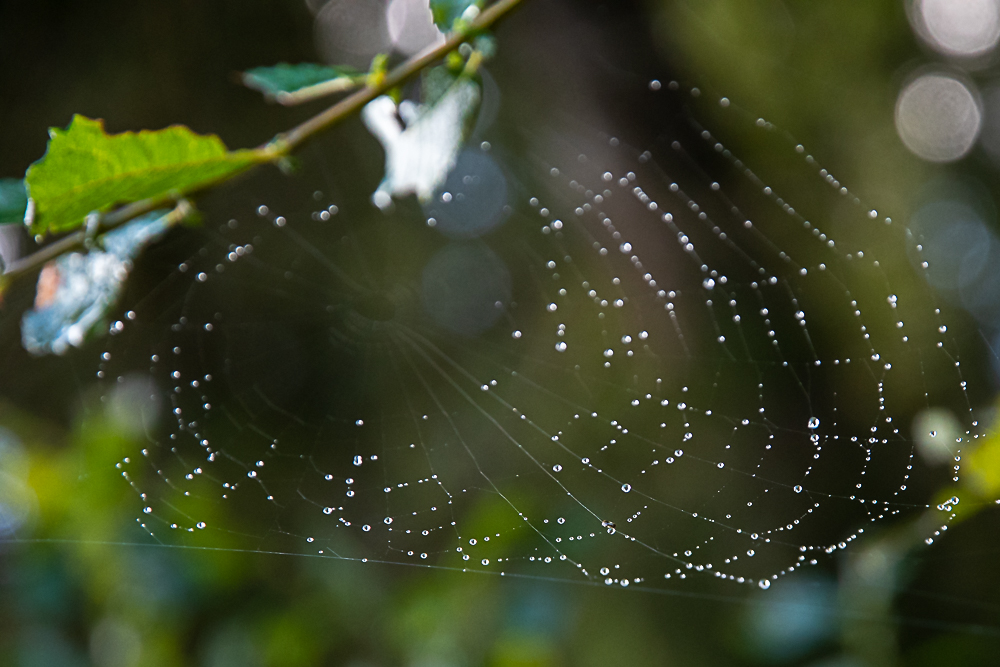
(826, 75)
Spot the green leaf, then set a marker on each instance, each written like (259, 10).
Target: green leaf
(13, 200)
(446, 12)
(291, 84)
(85, 169)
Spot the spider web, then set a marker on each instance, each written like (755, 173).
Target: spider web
(654, 367)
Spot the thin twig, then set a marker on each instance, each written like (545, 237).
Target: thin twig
(183, 209)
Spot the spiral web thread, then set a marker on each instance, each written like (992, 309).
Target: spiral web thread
(685, 376)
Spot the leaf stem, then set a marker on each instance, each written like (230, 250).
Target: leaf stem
(314, 92)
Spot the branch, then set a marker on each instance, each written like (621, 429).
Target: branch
(289, 141)
(275, 150)
(78, 240)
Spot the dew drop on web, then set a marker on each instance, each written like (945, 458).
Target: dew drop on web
(627, 306)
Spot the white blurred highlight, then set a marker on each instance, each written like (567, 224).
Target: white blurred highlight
(959, 28)
(936, 430)
(411, 26)
(419, 157)
(938, 117)
(352, 32)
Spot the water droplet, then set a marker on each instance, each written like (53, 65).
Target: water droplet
(764, 584)
(358, 460)
(561, 346)
(797, 488)
(813, 422)
(626, 487)
(557, 468)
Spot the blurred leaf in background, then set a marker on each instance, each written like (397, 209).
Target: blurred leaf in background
(76, 291)
(13, 201)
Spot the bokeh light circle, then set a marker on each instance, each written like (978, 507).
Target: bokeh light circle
(959, 28)
(466, 288)
(411, 26)
(938, 117)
